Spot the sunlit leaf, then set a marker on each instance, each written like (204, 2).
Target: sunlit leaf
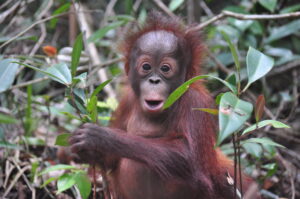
(233, 112)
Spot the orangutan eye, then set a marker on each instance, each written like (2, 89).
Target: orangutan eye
(146, 67)
(165, 68)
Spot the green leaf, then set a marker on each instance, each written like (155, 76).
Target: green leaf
(258, 65)
(233, 50)
(268, 4)
(7, 145)
(218, 98)
(99, 34)
(80, 78)
(48, 181)
(174, 4)
(178, 92)
(208, 110)
(58, 72)
(92, 108)
(34, 141)
(233, 112)
(62, 139)
(8, 71)
(56, 168)
(283, 31)
(289, 9)
(263, 141)
(66, 181)
(59, 10)
(76, 53)
(254, 149)
(61, 73)
(7, 119)
(100, 87)
(83, 184)
(273, 123)
(70, 115)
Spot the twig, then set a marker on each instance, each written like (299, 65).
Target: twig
(34, 24)
(221, 66)
(3, 15)
(32, 189)
(286, 67)
(31, 26)
(14, 181)
(164, 8)
(206, 9)
(226, 13)
(288, 167)
(91, 48)
(29, 82)
(295, 95)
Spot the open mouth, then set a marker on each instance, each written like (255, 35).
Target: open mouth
(154, 105)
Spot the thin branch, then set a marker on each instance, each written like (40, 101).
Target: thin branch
(164, 8)
(31, 26)
(226, 13)
(36, 23)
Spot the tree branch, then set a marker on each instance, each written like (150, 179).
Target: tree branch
(226, 13)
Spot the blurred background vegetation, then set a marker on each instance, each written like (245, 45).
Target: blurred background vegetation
(34, 109)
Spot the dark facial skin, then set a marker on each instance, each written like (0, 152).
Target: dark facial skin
(155, 70)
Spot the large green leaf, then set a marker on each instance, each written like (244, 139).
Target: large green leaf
(273, 123)
(83, 184)
(283, 31)
(99, 34)
(66, 181)
(76, 52)
(268, 4)
(176, 94)
(8, 71)
(233, 112)
(258, 65)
